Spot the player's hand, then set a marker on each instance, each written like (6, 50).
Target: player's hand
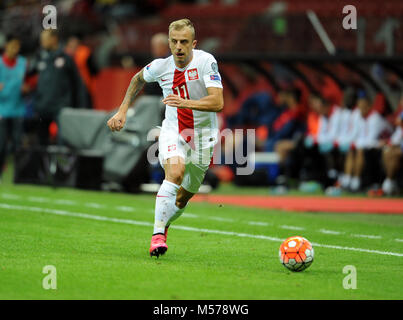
(117, 122)
(382, 143)
(173, 100)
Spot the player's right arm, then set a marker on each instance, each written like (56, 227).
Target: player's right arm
(117, 122)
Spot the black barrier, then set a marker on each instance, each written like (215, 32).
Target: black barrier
(59, 166)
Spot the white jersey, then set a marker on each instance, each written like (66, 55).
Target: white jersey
(190, 82)
(369, 130)
(397, 137)
(329, 126)
(350, 128)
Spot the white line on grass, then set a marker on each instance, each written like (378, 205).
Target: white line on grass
(73, 214)
(65, 202)
(291, 227)
(325, 231)
(38, 199)
(368, 236)
(179, 227)
(10, 196)
(94, 205)
(188, 215)
(220, 219)
(258, 223)
(125, 208)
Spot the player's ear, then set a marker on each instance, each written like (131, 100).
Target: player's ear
(194, 44)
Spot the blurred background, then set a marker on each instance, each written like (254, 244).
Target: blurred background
(326, 102)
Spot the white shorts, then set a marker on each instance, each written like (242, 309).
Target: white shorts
(196, 153)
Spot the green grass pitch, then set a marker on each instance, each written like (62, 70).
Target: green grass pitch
(99, 244)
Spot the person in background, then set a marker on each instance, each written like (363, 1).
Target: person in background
(59, 84)
(12, 73)
(85, 62)
(392, 158)
(366, 145)
(304, 162)
(159, 49)
(288, 123)
(160, 45)
(345, 144)
(335, 127)
(319, 141)
(392, 155)
(256, 105)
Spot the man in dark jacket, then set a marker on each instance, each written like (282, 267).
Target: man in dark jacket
(59, 84)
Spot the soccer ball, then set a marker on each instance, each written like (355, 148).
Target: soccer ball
(296, 253)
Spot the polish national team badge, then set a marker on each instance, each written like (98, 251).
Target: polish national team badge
(172, 147)
(192, 74)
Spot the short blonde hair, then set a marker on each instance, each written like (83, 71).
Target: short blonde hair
(182, 23)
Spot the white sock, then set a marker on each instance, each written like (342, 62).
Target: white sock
(355, 183)
(388, 186)
(165, 207)
(177, 214)
(345, 180)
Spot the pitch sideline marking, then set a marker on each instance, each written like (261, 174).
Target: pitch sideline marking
(291, 227)
(179, 227)
(368, 236)
(259, 223)
(325, 231)
(94, 205)
(65, 202)
(38, 199)
(125, 209)
(10, 196)
(185, 215)
(221, 219)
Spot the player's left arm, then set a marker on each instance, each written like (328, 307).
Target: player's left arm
(213, 102)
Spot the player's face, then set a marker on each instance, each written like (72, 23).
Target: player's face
(12, 48)
(47, 40)
(364, 106)
(181, 44)
(315, 104)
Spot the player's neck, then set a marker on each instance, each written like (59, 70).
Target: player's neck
(185, 64)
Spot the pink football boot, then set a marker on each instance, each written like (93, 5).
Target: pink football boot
(158, 246)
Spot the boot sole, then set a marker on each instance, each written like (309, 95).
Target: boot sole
(158, 252)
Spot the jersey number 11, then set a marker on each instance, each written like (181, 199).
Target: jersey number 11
(181, 91)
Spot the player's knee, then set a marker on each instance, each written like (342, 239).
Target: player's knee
(175, 175)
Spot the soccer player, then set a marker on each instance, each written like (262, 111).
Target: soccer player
(12, 109)
(193, 94)
(392, 156)
(370, 128)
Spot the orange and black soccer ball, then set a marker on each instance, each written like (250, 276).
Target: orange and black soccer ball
(296, 253)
